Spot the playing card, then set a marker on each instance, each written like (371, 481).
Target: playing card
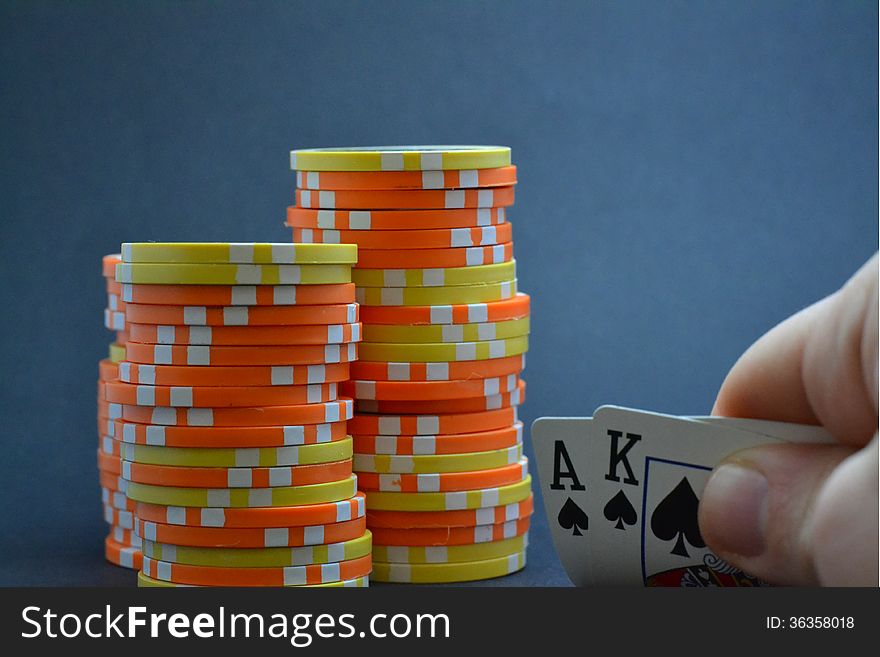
(645, 474)
(561, 451)
(786, 431)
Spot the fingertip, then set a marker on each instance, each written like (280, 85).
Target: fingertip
(733, 510)
(844, 523)
(757, 504)
(766, 383)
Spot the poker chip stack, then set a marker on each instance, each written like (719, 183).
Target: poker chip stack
(437, 442)
(121, 546)
(229, 435)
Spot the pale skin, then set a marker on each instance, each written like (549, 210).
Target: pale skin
(805, 514)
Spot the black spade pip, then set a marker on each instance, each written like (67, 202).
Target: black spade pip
(676, 518)
(620, 511)
(572, 517)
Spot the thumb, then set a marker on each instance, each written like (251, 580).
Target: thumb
(784, 512)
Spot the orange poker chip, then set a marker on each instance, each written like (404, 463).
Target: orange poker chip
(326, 513)
(105, 409)
(109, 463)
(421, 425)
(112, 481)
(451, 535)
(516, 307)
(125, 537)
(362, 390)
(226, 437)
(116, 499)
(244, 335)
(209, 477)
(443, 482)
(491, 515)
(122, 337)
(126, 556)
(164, 354)
(235, 295)
(114, 321)
(405, 199)
(434, 258)
(229, 396)
(446, 371)
(114, 305)
(462, 443)
(266, 375)
(251, 537)
(372, 180)
(393, 219)
(113, 287)
(104, 442)
(440, 238)
(334, 411)
(109, 446)
(467, 405)
(108, 437)
(242, 315)
(257, 576)
(118, 518)
(107, 370)
(108, 265)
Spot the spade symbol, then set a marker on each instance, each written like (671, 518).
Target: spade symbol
(676, 518)
(571, 516)
(619, 510)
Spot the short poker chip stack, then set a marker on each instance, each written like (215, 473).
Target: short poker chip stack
(121, 546)
(229, 432)
(437, 442)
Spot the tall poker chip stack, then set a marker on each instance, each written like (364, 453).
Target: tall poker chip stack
(121, 546)
(438, 446)
(229, 435)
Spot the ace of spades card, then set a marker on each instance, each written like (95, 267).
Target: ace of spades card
(656, 465)
(561, 449)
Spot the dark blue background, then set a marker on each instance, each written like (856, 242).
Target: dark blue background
(690, 174)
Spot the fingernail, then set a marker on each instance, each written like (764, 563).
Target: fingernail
(735, 506)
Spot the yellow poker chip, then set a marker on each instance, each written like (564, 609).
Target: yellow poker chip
(238, 498)
(476, 275)
(477, 332)
(230, 274)
(456, 501)
(144, 581)
(435, 296)
(437, 463)
(283, 253)
(116, 352)
(399, 158)
(443, 352)
(418, 554)
(270, 557)
(243, 457)
(435, 573)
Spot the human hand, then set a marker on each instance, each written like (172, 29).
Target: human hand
(805, 514)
